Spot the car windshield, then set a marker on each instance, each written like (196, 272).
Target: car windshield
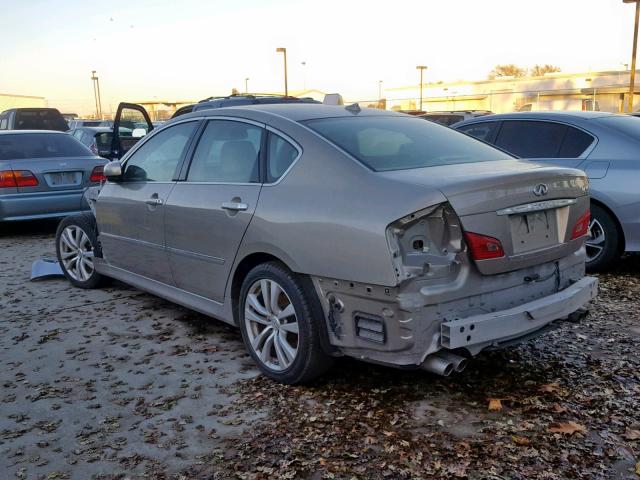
(40, 145)
(399, 143)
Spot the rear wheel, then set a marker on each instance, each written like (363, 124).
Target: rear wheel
(278, 327)
(604, 245)
(76, 247)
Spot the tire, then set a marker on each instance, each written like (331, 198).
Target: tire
(76, 246)
(604, 244)
(269, 329)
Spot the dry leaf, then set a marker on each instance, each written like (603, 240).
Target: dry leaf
(521, 440)
(568, 428)
(632, 434)
(559, 408)
(495, 405)
(550, 387)
(638, 468)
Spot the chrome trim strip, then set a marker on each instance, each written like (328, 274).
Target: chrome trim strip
(135, 241)
(197, 256)
(537, 206)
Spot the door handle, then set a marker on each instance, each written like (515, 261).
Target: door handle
(153, 201)
(235, 206)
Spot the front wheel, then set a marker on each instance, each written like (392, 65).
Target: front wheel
(604, 245)
(76, 247)
(278, 327)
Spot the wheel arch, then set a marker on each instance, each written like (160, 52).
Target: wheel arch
(613, 216)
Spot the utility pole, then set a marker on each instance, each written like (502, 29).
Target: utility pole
(632, 77)
(422, 68)
(284, 52)
(246, 85)
(96, 94)
(304, 75)
(379, 90)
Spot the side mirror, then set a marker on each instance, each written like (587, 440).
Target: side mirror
(138, 132)
(113, 170)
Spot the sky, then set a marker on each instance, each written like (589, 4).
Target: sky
(192, 49)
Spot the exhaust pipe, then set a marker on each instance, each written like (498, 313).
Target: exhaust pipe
(444, 363)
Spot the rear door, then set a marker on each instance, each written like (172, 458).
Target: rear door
(131, 211)
(208, 212)
(131, 123)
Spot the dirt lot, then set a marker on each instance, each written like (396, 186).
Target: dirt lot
(118, 384)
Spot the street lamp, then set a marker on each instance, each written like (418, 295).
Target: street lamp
(632, 79)
(304, 75)
(96, 93)
(284, 52)
(422, 68)
(246, 85)
(379, 90)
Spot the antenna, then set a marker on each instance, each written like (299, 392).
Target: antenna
(353, 108)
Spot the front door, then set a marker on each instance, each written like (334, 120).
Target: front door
(131, 123)
(207, 215)
(131, 210)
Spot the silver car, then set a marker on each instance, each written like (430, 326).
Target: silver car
(324, 231)
(602, 144)
(43, 174)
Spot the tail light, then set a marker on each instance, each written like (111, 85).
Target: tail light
(483, 247)
(17, 178)
(581, 228)
(97, 175)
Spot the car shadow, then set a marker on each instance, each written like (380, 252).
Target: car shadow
(29, 228)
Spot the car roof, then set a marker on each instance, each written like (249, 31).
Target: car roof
(559, 115)
(296, 111)
(26, 132)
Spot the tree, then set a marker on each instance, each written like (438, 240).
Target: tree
(508, 70)
(539, 70)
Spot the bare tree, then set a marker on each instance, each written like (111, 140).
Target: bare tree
(539, 70)
(508, 70)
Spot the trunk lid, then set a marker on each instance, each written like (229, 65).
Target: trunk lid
(530, 208)
(58, 174)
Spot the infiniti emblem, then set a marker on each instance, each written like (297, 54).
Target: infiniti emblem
(540, 190)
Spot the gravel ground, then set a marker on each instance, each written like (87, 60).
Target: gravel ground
(116, 383)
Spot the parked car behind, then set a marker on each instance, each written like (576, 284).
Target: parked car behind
(33, 119)
(454, 116)
(604, 145)
(98, 139)
(241, 99)
(325, 230)
(44, 175)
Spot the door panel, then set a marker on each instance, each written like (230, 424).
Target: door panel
(132, 230)
(203, 233)
(131, 123)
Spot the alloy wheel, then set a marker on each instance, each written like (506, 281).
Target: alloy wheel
(76, 253)
(271, 324)
(596, 241)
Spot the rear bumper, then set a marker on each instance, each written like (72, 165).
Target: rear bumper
(498, 327)
(31, 206)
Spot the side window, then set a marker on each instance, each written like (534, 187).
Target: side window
(281, 156)
(482, 131)
(529, 139)
(4, 121)
(227, 152)
(156, 160)
(575, 143)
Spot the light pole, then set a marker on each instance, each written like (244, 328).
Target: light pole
(632, 78)
(304, 75)
(379, 90)
(246, 85)
(422, 68)
(284, 52)
(96, 93)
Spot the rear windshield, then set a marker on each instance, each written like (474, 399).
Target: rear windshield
(399, 143)
(40, 145)
(43, 119)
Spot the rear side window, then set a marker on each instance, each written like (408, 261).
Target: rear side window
(281, 156)
(228, 152)
(482, 131)
(40, 145)
(385, 143)
(529, 139)
(43, 119)
(575, 143)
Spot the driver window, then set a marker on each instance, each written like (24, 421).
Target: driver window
(156, 160)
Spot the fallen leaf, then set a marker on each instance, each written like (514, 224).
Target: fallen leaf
(521, 440)
(559, 408)
(638, 469)
(550, 387)
(568, 428)
(632, 434)
(495, 405)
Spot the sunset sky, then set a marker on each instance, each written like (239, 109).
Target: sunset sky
(191, 49)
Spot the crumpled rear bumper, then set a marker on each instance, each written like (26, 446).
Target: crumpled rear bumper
(505, 325)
